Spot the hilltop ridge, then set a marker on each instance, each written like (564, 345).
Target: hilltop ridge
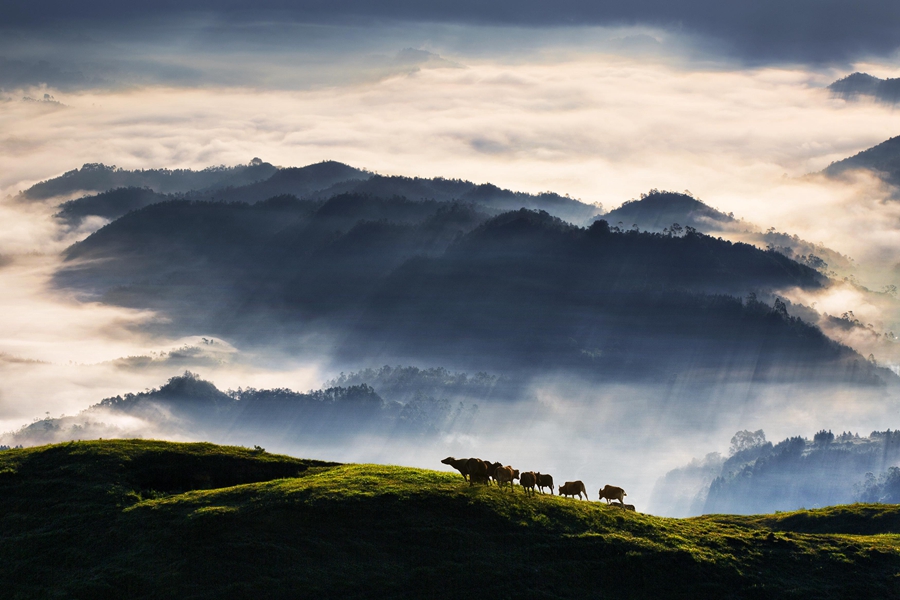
(659, 210)
(326, 530)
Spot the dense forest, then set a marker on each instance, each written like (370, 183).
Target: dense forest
(188, 403)
(761, 477)
(883, 160)
(857, 85)
(121, 190)
(97, 177)
(660, 210)
(457, 284)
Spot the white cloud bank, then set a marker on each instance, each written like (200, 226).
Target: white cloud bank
(599, 127)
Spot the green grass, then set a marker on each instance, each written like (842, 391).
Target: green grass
(143, 519)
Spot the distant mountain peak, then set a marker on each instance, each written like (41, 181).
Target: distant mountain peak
(883, 159)
(659, 209)
(98, 178)
(327, 169)
(855, 85)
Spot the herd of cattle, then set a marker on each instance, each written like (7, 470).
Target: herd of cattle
(475, 470)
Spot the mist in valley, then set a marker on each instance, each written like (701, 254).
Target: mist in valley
(395, 243)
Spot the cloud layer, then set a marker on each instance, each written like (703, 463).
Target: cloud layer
(595, 124)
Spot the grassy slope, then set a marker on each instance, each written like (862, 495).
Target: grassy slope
(110, 519)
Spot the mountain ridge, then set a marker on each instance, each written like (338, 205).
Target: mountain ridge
(350, 265)
(857, 84)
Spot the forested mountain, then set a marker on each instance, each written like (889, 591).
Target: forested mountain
(858, 84)
(403, 384)
(121, 191)
(315, 181)
(397, 280)
(659, 210)
(187, 403)
(97, 177)
(883, 160)
(305, 181)
(761, 477)
(108, 205)
(326, 180)
(673, 212)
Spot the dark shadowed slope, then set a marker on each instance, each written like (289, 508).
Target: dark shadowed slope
(303, 182)
(122, 191)
(759, 476)
(108, 205)
(187, 406)
(883, 160)
(291, 259)
(661, 211)
(96, 177)
(398, 280)
(361, 183)
(294, 181)
(527, 290)
(856, 85)
(142, 519)
(657, 211)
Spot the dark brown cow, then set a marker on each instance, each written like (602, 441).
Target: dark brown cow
(544, 481)
(506, 475)
(477, 471)
(460, 464)
(611, 492)
(528, 481)
(573, 488)
(492, 469)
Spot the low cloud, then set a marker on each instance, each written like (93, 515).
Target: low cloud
(597, 126)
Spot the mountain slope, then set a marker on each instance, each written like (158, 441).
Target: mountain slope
(859, 84)
(190, 406)
(398, 280)
(763, 477)
(97, 177)
(524, 289)
(95, 519)
(122, 191)
(108, 205)
(882, 159)
(303, 182)
(660, 210)
(293, 181)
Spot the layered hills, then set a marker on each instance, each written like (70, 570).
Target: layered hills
(149, 519)
(659, 210)
(121, 190)
(457, 284)
(882, 159)
(759, 476)
(428, 403)
(97, 177)
(368, 270)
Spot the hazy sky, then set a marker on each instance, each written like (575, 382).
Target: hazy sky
(601, 100)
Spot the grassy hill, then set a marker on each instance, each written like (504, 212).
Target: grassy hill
(143, 519)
